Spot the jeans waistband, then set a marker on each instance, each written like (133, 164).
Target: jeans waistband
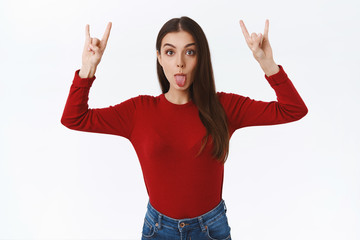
(161, 220)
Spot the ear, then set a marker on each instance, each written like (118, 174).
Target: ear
(158, 57)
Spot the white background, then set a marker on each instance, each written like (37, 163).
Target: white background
(294, 181)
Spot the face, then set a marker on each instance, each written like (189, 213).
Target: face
(178, 59)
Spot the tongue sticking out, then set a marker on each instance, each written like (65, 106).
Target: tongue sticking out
(180, 80)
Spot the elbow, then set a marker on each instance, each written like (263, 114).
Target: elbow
(302, 112)
(67, 123)
(74, 121)
(305, 111)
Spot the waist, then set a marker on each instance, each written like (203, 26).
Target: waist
(161, 220)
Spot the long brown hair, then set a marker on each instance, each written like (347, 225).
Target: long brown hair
(202, 90)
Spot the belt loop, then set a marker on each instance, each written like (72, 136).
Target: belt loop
(159, 220)
(203, 228)
(225, 207)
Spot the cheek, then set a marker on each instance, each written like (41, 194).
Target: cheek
(166, 64)
(193, 62)
(193, 67)
(167, 71)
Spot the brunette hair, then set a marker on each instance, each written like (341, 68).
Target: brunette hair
(202, 90)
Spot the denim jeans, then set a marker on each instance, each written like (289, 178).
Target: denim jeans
(212, 225)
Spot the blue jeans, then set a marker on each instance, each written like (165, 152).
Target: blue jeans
(212, 225)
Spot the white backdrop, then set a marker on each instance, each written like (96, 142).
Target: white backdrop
(294, 181)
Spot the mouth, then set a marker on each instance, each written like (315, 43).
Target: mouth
(180, 79)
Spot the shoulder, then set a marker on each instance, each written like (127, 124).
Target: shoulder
(230, 101)
(224, 96)
(221, 94)
(144, 100)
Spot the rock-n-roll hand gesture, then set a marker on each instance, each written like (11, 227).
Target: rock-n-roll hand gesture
(260, 46)
(93, 51)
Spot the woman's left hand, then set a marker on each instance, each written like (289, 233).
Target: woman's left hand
(258, 43)
(261, 49)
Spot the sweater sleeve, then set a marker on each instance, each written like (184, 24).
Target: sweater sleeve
(116, 120)
(243, 111)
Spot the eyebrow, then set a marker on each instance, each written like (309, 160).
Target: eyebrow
(187, 45)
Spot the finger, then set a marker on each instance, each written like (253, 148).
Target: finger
(106, 34)
(261, 38)
(256, 40)
(90, 48)
(93, 48)
(95, 41)
(87, 32)
(266, 31)
(244, 30)
(254, 37)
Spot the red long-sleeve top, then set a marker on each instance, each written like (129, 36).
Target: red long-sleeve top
(167, 137)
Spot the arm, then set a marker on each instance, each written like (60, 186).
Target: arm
(118, 119)
(244, 112)
(77, 115)
(289, 107)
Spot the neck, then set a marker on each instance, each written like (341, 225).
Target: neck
(178, 97)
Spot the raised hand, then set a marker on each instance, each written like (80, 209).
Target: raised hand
(93, 51)
(261, 49)
(258, 43)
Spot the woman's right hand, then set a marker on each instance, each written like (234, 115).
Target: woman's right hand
(93, 51)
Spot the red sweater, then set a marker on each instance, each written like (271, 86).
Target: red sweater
(167, 137)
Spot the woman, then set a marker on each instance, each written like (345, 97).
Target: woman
(182, 136)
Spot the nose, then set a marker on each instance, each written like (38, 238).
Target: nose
(180, 61)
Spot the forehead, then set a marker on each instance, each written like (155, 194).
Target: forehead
(178, 39)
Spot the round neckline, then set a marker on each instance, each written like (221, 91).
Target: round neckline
(188, 104)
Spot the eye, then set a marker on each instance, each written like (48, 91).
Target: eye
(169, 52)
(190, 52)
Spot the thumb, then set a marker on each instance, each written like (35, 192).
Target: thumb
(94, 49)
